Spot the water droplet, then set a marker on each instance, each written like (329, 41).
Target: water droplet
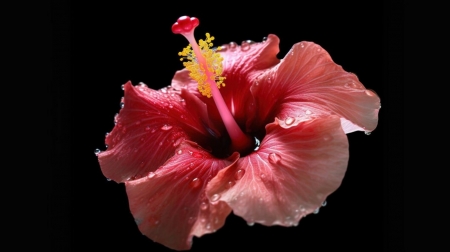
(116, 117)
(232, 45)
(138, 122)
(97, 151)
(250, 223)
(257, 144)
(196, 182)
(166, 127)
(245, 45)
(324, 203)
(264, 39)
(319, 49)
(163, 90)
(151, 175)
(122, 105)
(316, 211)
(153, 221)
(274, 158)
(108, 179)
(178, 142)
(142, 84)
(123, 86)
(238, 175)
(208, 226)
(147, 128)
(170, 105)
(191, 220)
(229, 184)
(308, 112)
(289, 120)
(367, 133)
(215, 197)
(179, 152)
(204, 206)
(302, 45)
(107, 133)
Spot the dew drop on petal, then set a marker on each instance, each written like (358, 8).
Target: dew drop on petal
(250, 223)
(245, 45)
(308, 112)
(97, 151)
(123, 86)
(166, 127)
(302, 45)
(108, 179)
(191, 220)
(215, 197)
(204, 206)
(367, 133)
(195, 183)
(316, 211)
(151, 175)
(229, 185)
(239, 173)
(180, 151)
(289, 120)
(264, 39)
(147, 128)
(324, 203)
(232, 45)
(138, 122)
(274, 158)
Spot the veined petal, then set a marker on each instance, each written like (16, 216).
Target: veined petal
(307, 83)
(148, 129)
(289, 176)
(170, 205)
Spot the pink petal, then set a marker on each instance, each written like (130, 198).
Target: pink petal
(148, 130)
(240, 66)
(307, 83)
(170, 205)
(289, 176)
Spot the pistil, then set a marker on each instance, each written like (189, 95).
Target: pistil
(206, 68)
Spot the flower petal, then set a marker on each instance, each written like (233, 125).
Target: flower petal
(289, 176)
(148, 129)
(170, 205)
(308, 83)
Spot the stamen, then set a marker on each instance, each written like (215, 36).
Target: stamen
(205, 66)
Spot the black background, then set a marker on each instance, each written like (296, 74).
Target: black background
(113, 43)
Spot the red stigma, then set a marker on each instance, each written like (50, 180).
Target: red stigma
(185, 24)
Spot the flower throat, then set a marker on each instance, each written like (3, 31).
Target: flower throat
(205, 66)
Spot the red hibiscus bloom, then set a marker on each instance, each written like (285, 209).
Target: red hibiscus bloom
(270, 146)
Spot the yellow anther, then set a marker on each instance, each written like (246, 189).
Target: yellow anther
(200, 71)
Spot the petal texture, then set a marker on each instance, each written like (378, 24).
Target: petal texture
(289, 176)
(148, 129)
(307, 83)
(170, 205)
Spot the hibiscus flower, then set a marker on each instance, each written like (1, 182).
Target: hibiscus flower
(270, 145)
